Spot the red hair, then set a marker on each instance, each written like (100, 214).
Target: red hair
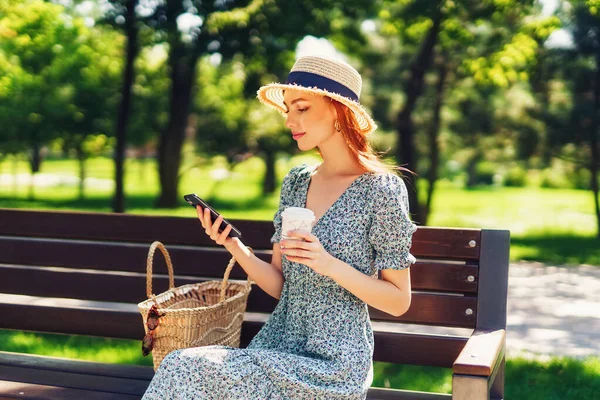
(358, 143)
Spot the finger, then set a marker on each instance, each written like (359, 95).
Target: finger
(294, 244)
(217, 224)
(300, 254)
(224, 234)
(309, 237)
(207, 219)
(199, 212)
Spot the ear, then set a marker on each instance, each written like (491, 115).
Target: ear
(332, 108)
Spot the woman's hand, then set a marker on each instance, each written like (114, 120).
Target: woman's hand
(212, 229)
(309, 252)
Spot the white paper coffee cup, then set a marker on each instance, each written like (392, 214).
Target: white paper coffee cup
(296, 218)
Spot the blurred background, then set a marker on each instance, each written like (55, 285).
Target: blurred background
(126, 105)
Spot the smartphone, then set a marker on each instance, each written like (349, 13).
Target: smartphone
(194, 200)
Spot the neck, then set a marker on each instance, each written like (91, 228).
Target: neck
(338, 158)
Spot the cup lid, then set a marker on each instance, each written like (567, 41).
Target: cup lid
(299, 212)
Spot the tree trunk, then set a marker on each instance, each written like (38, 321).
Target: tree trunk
(124, 106)
(594, 145)
(472, 167)
(81, 160)
(15, 175)
(405, 153)
(269, 181)
(183, 78)
(35, 163)
(434, 134)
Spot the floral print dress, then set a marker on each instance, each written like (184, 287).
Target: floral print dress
(318, 342)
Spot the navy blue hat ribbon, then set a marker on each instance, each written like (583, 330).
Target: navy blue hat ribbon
(309, 80)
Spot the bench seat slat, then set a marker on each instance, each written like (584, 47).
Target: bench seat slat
(74, 380)
(127, 323)
(53, 365)
(29, 391)
(395, 394)
(133, 372)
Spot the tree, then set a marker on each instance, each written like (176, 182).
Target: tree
(485, 41)
(582, 126)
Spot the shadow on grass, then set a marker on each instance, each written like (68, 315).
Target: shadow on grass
(557, 249)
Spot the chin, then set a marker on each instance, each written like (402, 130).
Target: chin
(306, 146)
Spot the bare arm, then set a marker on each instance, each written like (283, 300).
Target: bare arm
(268, 276)
(391, 294)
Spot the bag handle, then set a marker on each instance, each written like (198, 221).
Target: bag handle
(163, 250)
(226, 276)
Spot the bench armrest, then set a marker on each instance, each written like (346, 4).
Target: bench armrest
(481, 353)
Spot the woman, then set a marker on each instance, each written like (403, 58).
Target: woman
(318, 342)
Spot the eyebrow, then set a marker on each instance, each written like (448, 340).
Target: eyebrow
(295, 101)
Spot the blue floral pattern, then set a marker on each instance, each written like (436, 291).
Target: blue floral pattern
(318, 342)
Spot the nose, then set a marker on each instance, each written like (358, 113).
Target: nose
(289, 122)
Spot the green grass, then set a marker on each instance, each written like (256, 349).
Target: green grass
(554, 379)
(555, 226)
(558, 378)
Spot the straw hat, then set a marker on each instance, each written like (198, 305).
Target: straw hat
(322, 76)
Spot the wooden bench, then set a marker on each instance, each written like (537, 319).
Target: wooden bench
(84, 273)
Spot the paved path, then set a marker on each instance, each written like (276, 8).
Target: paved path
(553, 310)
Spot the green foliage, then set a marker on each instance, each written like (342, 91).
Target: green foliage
(64, 77)
(515, 177)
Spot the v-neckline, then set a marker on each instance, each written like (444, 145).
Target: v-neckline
(307, 185)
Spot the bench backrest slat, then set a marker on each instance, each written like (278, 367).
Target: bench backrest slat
(435, 243)
(194, 261)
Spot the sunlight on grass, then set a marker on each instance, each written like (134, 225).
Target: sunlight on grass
(114, 351)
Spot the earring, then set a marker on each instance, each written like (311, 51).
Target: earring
(336, 125)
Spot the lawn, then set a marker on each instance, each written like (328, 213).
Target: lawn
(554, 379)
(555, 226)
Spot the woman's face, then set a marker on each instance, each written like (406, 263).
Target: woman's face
(310, 118)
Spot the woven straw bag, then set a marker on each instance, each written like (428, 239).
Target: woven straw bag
(200, 314)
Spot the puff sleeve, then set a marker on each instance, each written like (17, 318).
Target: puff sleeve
(285, 200)
(391, 231)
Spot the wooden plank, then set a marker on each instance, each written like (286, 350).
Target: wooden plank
(481, 353)
(440, 277)
(426, 308)
(468, 387)
(114, 256)
(493, 279)
(73, 380)
(395, 394)
(31, 361)
(20, 390)
(411, 348)
(435, 309)
(428, 242)
(194, 261)
(418, 349)
(124, 227)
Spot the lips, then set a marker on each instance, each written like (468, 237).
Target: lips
(297, 135)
